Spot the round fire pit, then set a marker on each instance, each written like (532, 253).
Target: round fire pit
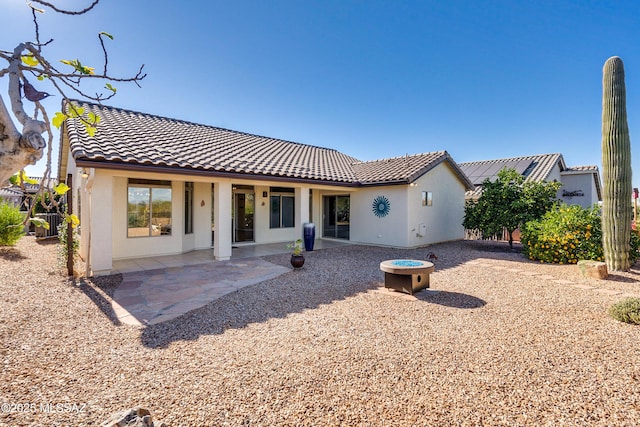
(406, 275)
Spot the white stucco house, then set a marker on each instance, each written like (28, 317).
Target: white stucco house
(580, 185)
(146, 186)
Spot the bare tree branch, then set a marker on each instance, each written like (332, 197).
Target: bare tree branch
(37, 27)
(67, 12)
(21, 147)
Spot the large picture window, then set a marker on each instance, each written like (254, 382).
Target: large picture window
(282, 211)
(148, 208)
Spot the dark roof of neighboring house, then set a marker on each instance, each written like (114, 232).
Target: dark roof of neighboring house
(10, 192)
(33, 188)
(533, 168)
(405, 169)
(30, 188)
(138, 141)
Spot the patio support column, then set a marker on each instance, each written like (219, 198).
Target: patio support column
(202, 210)
(83, 212)
(302, 194)
(101, 225)
(222, 215)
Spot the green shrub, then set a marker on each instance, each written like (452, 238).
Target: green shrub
(564, 235)
(11, 224)
(635, 246)
(627, 311)
(567, 234)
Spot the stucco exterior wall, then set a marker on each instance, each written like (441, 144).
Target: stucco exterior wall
(579, 182)
(389, 230)
(401, 227)
(107, 218)
(555, 174)
(444, 217)
(202, 209)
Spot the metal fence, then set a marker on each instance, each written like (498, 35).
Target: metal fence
(476, 235)
(54, 220)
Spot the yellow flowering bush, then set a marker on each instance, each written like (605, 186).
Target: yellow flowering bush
(564, 235)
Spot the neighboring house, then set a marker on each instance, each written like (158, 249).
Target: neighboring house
(21, 196)
(149, 185)
(580, 185)
(12, 195)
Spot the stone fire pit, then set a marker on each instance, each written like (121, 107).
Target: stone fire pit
(406, 275)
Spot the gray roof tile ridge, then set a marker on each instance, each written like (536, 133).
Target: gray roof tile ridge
(582, 168)
(532, 156)
(406, 156)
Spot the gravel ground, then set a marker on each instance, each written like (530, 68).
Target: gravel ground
(489, 345)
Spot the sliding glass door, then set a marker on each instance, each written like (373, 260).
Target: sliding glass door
(335, 216)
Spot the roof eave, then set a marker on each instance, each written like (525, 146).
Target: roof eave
(383, 183)
(135, 167)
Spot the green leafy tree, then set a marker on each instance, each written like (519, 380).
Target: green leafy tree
(508, 203)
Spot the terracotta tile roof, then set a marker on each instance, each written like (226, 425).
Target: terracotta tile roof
(404, 169)
(132, 138)
(533, 168)
(135, 140)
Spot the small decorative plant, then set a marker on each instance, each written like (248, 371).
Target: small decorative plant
(627, 310)
(296, 247)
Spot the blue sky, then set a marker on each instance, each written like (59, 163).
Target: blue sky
(373, 79)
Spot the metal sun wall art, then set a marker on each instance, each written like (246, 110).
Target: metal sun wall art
(381, 206)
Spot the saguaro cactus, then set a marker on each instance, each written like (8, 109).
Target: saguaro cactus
(616, 168)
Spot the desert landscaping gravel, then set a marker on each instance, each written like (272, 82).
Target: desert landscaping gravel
(496, 341)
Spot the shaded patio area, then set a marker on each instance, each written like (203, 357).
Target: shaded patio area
(205, 256)
(154, 290)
